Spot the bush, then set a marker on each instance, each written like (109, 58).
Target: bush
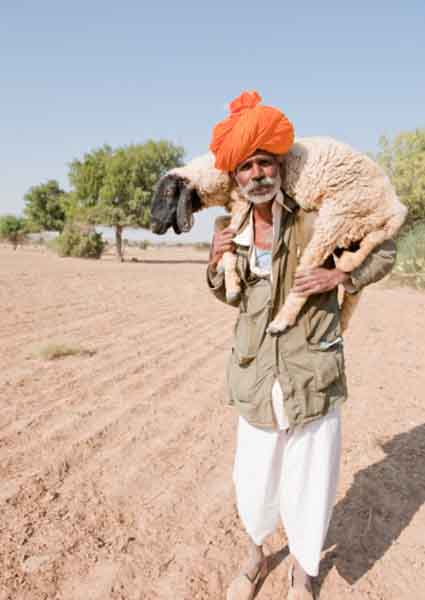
(404, 159)
(79, 242)
(13, 229)
(411, 250)
(410, 265)
(203, 246)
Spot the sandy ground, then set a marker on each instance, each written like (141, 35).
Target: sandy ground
(116, 467)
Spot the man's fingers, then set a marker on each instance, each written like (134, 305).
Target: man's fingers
(314, 281)
(305, 288)
(313, 287)
(227, 248)
(306, 280)
(224, 240)
(225, 236)
(309, 285)
(305, 272)
(227, 239)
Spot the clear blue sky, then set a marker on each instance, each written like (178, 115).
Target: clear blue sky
(78, 74)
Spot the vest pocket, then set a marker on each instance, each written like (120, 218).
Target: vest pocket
(328, 363)
(241, 379)
(249, 333)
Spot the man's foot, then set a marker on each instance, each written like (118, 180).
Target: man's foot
(244, 586)
(255, 562)
(300, 587)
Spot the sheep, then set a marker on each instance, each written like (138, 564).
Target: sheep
(353, 197)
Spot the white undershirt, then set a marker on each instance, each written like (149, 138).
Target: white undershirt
(260, 263)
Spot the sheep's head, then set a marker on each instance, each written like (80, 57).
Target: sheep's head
(173, 204)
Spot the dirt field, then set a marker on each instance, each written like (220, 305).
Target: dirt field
(116, 467)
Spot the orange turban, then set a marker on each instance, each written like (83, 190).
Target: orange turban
(250, 127)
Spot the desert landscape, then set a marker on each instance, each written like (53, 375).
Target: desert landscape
(116, 459)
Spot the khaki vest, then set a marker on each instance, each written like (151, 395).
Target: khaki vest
(307, 359)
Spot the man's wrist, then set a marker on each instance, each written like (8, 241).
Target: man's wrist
(342, 277)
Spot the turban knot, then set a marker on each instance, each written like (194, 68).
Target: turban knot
(250, 127)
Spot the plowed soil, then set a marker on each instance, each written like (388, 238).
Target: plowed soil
(116, 463)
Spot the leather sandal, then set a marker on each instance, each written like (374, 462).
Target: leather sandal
(244, 588)
(298, 593)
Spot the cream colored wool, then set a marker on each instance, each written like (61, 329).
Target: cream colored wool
(353, 196)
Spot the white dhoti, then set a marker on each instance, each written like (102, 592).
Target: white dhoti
(292, 475)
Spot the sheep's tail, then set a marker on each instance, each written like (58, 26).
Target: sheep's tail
(348, 307)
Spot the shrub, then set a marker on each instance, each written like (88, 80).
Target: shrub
(404, 159)
(411, 250)
(203, 246)
(79, 242)
(410, 265)
(12, 229)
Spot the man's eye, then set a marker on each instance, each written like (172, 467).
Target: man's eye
(245, 167)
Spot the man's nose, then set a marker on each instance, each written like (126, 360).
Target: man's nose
(257, 172)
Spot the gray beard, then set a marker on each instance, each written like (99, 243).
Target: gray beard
(248, 191)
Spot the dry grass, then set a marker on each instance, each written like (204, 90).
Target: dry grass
(57, 350)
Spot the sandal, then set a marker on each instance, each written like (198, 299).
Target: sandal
(244, 588)
(298, 593)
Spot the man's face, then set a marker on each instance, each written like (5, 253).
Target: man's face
(258, 177)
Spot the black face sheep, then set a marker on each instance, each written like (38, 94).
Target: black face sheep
(353, 197)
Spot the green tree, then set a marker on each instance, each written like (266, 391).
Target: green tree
(404, 162)
(116, 187)
(45, 206)
(13, 229)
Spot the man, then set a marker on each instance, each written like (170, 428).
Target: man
(288, 389)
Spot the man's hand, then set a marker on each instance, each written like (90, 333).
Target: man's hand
(316, 281)
(222, 242)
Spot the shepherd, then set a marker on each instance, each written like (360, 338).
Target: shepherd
(288, 389)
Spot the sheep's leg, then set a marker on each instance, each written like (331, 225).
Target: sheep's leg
(287, 314)
(231, 278)
(349, 261)
(322, 244)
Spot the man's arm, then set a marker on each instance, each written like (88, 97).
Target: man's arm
(215, 282)
(378, 264)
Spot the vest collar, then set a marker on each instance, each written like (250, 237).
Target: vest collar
(243, 233)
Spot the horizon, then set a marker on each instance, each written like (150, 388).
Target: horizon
(74, 78)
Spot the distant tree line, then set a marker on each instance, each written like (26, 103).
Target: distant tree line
(403, 159)
(108, 187)
(115, 188)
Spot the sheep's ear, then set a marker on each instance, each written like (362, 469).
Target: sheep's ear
(185, 209)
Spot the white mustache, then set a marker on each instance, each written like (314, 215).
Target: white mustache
(249, 190)
(252, 186)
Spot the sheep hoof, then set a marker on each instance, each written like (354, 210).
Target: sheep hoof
(233, 297)
(276, 327)
(347, 262)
